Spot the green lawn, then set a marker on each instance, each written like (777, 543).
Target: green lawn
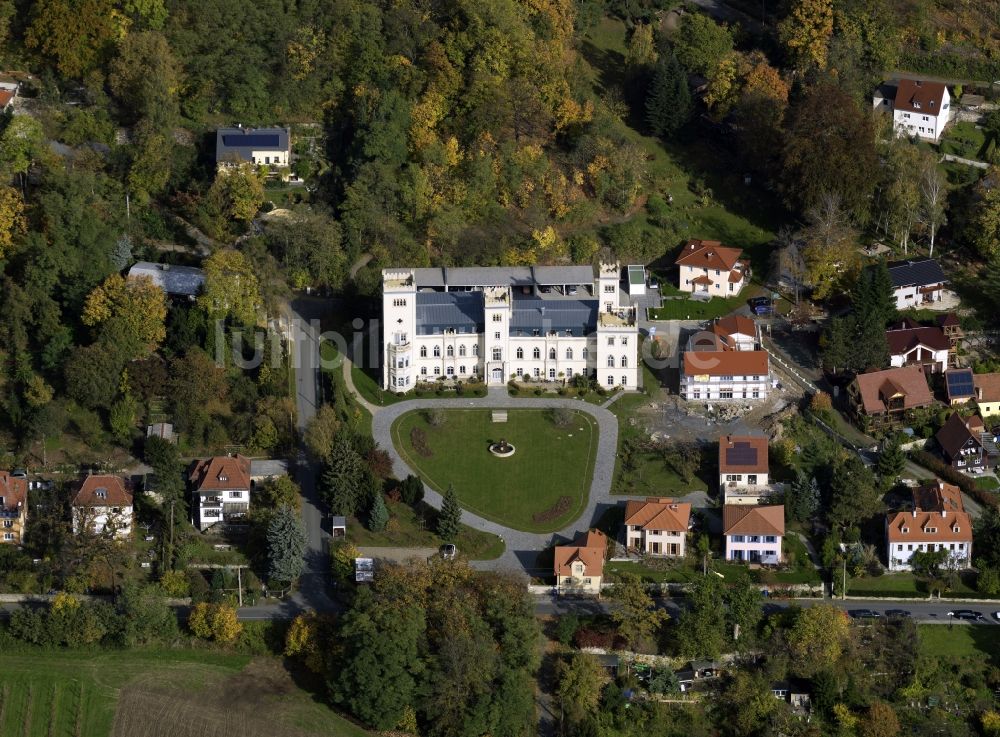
(902, 584)
(990, 483)
(692, 309)
(78, 693)
(409, 531)
(689, 572)
(944, 641)
(965, 140)
(549, 464)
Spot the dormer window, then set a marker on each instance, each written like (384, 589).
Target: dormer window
(905, 530)
(956, 528)
(930, 530)
(101, 493)
(223, 477)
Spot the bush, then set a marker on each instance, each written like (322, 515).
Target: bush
(562, 416)
(566, 628)
(435, 417)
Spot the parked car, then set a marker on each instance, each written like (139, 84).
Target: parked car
(760, 306)
(653, 282)
(996, 616)
(448, 551)
(864, 614)
(966, 614)
(901, 613)
(571, 289)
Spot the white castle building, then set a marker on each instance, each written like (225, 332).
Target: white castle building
(537, 323)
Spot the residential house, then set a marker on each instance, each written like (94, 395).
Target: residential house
(952, 327)
(579, 567)
(919, 109)
(795, 693)
(269, 147)
(221, 489)
(743, 469)
(960, 386)
(987, 387)
(657, 526)
(960, 440)
(938, 521)
(697, 671)
(176, 281)
(526, 323)
(725, 376)
(740, 332)
(707, 268)
(911, 344)
(13, 507)
(8, 92)
(103, 505)
(916, 283)
(887, 396)
(753, 534)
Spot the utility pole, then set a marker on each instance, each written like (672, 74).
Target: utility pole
(239, 583)
(172, 501)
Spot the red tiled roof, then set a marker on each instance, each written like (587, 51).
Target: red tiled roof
(906, 339)
(917, 96)
(219, 473)
(658, 514)
(725, 363)
(743, 519)
(742, 454)
(708, 255)
(5, 97)
(590, 548)
(733, 325)
(934, 497)
(877, 386)
(102, 491)
(701, 280)
(948, 320)
(987, 387)
(13, 490)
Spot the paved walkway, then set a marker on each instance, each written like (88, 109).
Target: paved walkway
(521, 547)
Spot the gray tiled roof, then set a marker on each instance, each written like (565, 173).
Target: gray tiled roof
(240, 143)
(916, 273)
(182, 280)
(266, 467)
(440, 311)
(564, 274)
(561, 315)
(513, 276)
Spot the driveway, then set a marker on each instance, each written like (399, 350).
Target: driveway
(522, 548)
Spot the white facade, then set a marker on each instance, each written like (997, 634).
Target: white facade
(915, 296)
(668, 543)
(899, 554)
(98, 519)
(218, 505)
(711, 282)
(498, 324)
(921, 354)
(754, 548)
(923, 123)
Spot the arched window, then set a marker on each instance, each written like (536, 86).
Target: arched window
(450, 350)
(461, 352)
(586, 354)
(536, 353)
(437, 351)
(569, 354)
(423, 351)
(552, 354)
(520, 352)
(611, 361)
(624, 361)
(475, 349)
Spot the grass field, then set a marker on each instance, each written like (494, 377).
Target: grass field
(408, 532)
(905, 584)
(549, 463)
(959, 641)
(180, 693)
(691, 309)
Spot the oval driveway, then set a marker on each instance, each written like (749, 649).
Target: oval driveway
(521, 547)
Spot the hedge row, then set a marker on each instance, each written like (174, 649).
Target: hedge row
(949, 474)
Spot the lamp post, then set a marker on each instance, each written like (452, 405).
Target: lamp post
(843, 559)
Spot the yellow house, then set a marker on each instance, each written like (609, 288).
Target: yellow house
(987, 394)
(13, 508)
(579, 567)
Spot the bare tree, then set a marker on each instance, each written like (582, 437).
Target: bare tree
(934, 200)
(830, 244)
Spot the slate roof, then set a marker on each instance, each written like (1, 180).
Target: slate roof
(916, 273)
(220, 473)
(955, 433)
(241, 143)
(561, 315)
(182, 280)
(102, 491)
(440, 311)
(917, 96)
(708, 255)
(658, 514)
(726, 363)
(589, 547)
(742, 519)
(742, 454)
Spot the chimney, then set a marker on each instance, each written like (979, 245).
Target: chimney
(915, 510)
(944, 513)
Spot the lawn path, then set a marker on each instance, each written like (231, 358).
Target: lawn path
(521, 547)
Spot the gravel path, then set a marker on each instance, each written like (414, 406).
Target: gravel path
(521, 547)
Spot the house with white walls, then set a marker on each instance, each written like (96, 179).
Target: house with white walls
(657, 526)
(743, 469)
(919, 109)
(937, 521)
(753, 534)
(102, 505)
(916, 283)
(710, 269)
(220, 488)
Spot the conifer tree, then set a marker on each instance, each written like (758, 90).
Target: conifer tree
(378, 515)
(668, 99)
(286, 545)
(450, 516)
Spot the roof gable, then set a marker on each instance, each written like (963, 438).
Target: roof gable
(658, 514)
(589, 548)
(908, 382)
(13, 490)
(956, 434)
(916, 273)
(708, 255)
(742, 454)
(102, 491)
(742, 519)
(918, 96)
(220, 473)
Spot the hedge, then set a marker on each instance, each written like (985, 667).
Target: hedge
(949, 474)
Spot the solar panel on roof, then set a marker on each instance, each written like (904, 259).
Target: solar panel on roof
(741, 454)
(960, 383)
(256, 140)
